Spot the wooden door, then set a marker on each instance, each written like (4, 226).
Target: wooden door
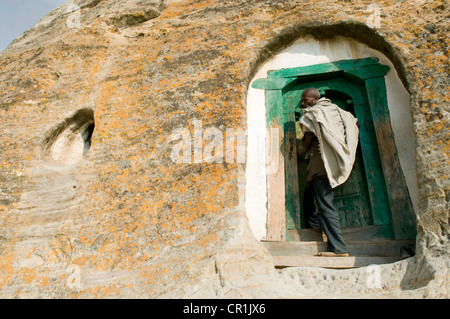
(351, 198)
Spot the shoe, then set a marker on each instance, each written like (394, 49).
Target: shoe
(331, 254)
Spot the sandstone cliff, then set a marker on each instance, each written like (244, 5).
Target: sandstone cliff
(91, 203)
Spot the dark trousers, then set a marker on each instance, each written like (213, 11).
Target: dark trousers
(320, 195)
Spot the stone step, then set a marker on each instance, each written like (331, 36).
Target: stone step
(384, 248)
(362, 253)
(331, 262)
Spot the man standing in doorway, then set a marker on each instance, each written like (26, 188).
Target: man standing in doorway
(330, 138)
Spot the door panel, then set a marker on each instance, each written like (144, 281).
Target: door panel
(351, 198)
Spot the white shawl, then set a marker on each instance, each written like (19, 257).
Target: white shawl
(337, 133)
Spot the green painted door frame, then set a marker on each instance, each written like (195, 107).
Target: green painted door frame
(363, 81)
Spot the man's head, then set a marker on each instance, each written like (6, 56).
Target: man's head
(309, 97)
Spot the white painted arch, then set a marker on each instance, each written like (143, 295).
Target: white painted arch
(309, 51)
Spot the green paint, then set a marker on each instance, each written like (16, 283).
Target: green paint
(403, 216)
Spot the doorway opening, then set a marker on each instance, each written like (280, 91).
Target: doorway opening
(374, 203)
(351, 199)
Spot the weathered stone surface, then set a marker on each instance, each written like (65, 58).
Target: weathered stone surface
(129, 221)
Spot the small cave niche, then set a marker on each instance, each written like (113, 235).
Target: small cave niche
(69, 141)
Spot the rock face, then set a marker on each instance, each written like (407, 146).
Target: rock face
(91, 201)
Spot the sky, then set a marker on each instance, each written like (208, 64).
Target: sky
(17, 16)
